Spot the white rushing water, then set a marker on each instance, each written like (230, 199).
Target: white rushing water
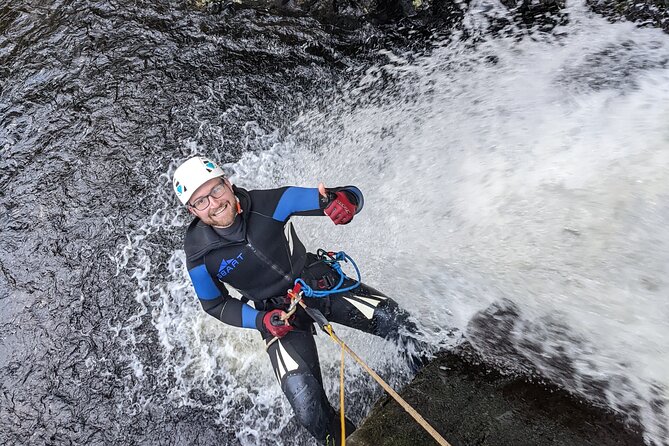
(533, 171)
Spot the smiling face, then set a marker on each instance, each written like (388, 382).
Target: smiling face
(221, 211)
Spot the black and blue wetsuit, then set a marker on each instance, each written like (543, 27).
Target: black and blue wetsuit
(260, 256)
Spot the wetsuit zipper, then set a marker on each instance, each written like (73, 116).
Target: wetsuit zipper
(269, 263)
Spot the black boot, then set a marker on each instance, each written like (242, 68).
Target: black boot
(333, 438)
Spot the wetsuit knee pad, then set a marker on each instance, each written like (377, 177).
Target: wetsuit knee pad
(308, 400)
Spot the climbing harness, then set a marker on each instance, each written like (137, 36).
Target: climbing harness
(300, 290)
(331, 259)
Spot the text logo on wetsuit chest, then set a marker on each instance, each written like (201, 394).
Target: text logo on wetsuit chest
(228, 265)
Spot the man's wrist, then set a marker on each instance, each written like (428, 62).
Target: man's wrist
(259, 321)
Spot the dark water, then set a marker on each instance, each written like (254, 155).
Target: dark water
(96, 101)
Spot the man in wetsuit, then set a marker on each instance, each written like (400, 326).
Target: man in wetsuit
(243, 240)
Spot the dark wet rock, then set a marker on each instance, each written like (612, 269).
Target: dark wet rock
(539, 350)
(438, 15)
(340, 12)
(492, 391)
(471, 403)
(647, 13)
(545, 14)
(97, 100)
(351, 14)
(542, 15)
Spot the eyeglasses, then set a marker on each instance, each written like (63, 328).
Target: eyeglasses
(202, 203)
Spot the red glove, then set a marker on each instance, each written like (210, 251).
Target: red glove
(272, 322)
(340, 210)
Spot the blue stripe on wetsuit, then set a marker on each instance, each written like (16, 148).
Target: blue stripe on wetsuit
(296, 199)
(249, 316)
(205, 288)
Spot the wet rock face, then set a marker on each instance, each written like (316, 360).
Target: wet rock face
(543, 14)
(97, 101)
(348, 12)
(355, 12)
(471, 404)
(500, 335)
(647, 13)
(379, 9)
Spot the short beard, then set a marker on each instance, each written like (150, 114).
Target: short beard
(232, 219)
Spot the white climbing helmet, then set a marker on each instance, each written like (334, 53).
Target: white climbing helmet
(192, 174)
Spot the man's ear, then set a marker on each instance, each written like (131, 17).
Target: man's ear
(227, 183)
(191, 210)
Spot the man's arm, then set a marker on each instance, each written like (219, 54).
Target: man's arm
(311, 201)
(218, 303)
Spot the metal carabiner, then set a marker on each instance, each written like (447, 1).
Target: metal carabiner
(294, 301)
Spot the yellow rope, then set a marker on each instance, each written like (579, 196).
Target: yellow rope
(342, 418)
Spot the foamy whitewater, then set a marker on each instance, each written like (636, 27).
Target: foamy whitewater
(529, 170)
